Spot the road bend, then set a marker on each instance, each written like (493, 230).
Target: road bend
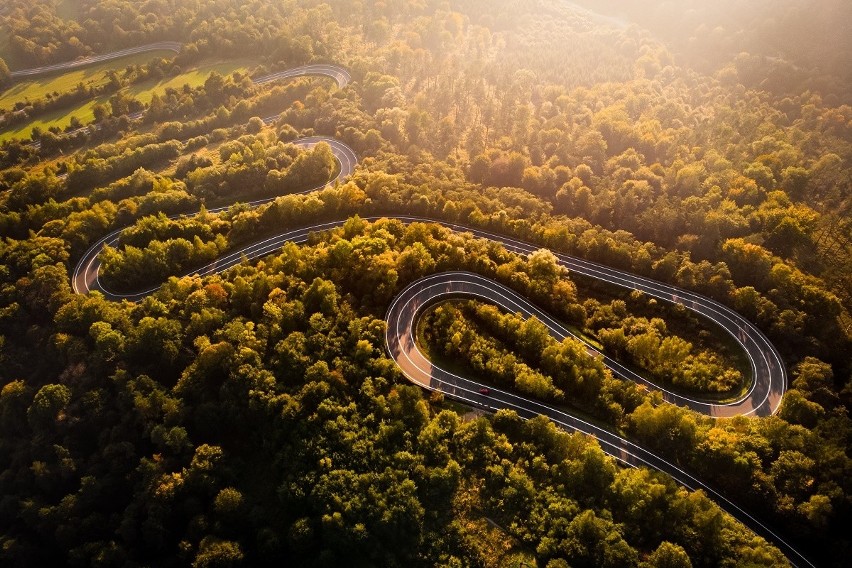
(762, 399)
(86, 61)
(401, 343)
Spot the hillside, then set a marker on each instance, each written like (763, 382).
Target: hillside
(247, 406)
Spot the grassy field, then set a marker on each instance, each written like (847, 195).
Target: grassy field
(143, 91)
(60, 118)
(193, 77)
(90, 76)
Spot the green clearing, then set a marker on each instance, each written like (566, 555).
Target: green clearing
(89, 76)
(142, 91)
(60, 118)
(194, 78)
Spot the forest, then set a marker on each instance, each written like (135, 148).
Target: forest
(255, 416)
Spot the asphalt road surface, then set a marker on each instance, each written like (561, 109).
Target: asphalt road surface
(86, 276)
(769, 377)
(401, 344)
(85, 61)
(762, 399)
(336, 72)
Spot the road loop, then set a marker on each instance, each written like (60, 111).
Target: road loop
(763, 399)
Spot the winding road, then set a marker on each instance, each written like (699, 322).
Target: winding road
(336, 72)
(762, 399)
(769, 375)
(401, 343)
(85, 61)
(339, 74)
(402, 317)
(86, 276)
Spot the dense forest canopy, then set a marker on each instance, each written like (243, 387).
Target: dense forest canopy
(254, 417)
(782, 47)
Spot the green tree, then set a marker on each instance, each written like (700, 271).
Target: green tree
(15, 398)
(216, 553)
(155, 341)
(595, 541)
(665, 427)
(668, 555)
(101, 112)
(5, 74)
(47, 404)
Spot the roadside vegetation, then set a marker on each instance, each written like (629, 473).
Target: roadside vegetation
(88, 101)
(26, 91)
(518, 355)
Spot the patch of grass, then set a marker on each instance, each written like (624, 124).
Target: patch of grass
(59, 118)
(194, 78)
(143, 91)
(95, 75)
